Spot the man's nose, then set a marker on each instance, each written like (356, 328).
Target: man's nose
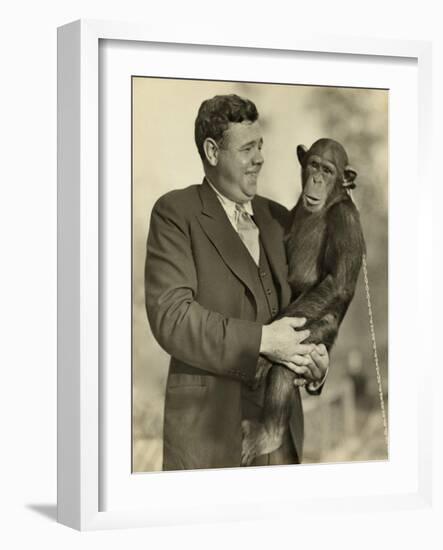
(258, 157)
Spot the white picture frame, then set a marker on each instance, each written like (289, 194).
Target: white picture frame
(79, 315)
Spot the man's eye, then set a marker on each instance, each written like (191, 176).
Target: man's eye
(328, 170)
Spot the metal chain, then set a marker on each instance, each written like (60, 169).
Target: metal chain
(375, 354)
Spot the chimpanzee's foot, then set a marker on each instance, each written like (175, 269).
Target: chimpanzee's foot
(258, 441)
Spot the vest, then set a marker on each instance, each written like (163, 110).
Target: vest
(267, 303)
(267, 309)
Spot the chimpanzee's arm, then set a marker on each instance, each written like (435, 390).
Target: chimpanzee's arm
(325, 304)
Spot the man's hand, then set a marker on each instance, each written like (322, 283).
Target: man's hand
(316, 371)
(281, 343)
(320, 357)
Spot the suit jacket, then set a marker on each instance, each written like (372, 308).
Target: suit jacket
(202, 310)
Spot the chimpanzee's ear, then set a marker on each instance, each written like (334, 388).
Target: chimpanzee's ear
(349, 177)
(301, 153)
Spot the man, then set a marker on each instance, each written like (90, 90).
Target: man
(215, 278)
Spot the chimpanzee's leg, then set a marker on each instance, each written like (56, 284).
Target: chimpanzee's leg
(267, 436)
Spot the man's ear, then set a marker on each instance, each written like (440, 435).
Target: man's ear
(301, 153)
(210, 148)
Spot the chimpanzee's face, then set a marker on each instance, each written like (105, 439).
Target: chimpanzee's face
(318, 180)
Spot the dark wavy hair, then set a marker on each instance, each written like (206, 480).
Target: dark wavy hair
(215, 114)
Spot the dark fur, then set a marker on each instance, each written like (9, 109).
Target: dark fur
(325, 251)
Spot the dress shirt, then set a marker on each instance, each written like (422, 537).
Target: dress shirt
(230, 206)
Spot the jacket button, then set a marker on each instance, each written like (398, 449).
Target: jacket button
(268, 291)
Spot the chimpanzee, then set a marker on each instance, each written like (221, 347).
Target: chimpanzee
(325, 247)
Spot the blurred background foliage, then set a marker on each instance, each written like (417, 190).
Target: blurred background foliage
(345, 423)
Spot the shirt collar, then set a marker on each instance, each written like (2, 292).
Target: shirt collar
(229, 205)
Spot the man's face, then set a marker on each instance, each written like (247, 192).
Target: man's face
(239, 161)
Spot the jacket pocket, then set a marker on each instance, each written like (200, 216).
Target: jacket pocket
(184, 380)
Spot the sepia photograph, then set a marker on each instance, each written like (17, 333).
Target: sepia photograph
(259, 274)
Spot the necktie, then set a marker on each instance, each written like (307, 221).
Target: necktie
(248, 232)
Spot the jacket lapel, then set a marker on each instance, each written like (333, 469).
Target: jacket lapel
(223, 236)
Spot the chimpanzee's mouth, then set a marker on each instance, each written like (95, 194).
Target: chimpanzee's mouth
(312, 201)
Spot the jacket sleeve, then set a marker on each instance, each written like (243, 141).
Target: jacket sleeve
(187, 331)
